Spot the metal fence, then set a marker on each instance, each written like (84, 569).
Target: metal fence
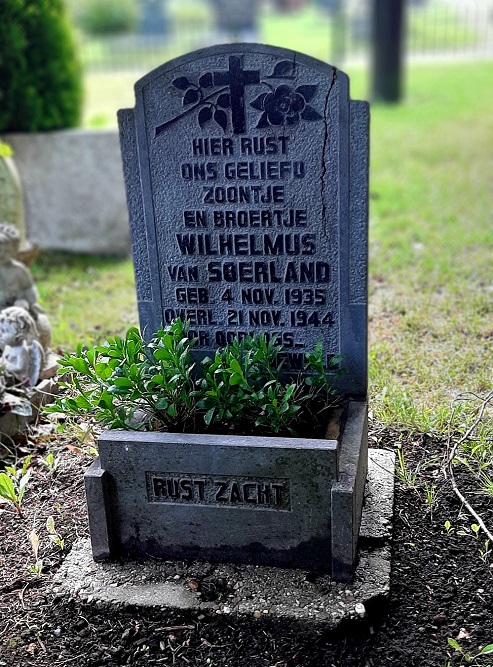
(337, 31)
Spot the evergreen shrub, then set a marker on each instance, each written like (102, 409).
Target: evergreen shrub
(108, 17)
(40, 74)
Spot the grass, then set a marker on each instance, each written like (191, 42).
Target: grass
(430, 257)
(431, 244)
(88, 299)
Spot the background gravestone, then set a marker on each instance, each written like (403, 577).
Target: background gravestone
(246, 169)
(235, 20)
(11, 204)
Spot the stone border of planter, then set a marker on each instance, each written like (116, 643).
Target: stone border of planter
(289, 502)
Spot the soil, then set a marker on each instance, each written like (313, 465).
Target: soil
(441, 586)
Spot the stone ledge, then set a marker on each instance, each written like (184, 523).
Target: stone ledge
(246, 591)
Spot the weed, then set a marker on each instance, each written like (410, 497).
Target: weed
(485, 553)
(448, 527)
(474, 412)
(37, 568)
(54, 535)
(431, 495)
(486, 484)
(404, 475)
(82, 433)
(51, 462)
(468, 657)
(13, 483)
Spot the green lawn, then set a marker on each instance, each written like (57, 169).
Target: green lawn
(431, 241)
(431, 231)
(88, 299)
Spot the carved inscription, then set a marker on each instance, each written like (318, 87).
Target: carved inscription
(246, 248)
(245, 235)
(218, 490)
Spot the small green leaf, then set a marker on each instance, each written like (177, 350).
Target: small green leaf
(162, 403)
(26, 464)
(50, 525)
(23, 484)
(161, 354)
(79, 364)
(105, 400)
(454, 644)
(123, 383)
(486, 649)
(114, 354)
(7, 490)
(5, 150)
(83, 403)
(209, 415)
(103, 371)
(289, 392)
(236, 367)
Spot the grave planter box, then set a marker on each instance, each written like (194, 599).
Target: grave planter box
(289, 502)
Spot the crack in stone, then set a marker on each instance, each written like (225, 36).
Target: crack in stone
(324, 151)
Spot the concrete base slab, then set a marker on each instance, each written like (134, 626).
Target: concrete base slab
(246, 590)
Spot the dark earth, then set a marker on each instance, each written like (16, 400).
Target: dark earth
(441, 584)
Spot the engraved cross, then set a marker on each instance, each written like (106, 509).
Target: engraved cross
(237, 78)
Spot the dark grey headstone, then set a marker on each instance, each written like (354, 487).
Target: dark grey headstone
(246, 169)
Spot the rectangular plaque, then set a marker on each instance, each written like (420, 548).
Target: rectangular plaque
(218, 490)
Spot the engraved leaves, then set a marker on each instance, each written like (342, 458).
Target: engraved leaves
(196, 94)
(286, 106)
(182, 83)
(284, 69)
(283, 104)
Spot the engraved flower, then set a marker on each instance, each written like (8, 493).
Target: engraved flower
(283, 106)
(286, 106)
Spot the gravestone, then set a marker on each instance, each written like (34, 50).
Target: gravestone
(153, 17)
(235, 20)
(247, 172)
(11, 204)
(246, 169)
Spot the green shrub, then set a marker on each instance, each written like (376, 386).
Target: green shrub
(130, 384)
(190, 15)
(40, 75)
(107, 17)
